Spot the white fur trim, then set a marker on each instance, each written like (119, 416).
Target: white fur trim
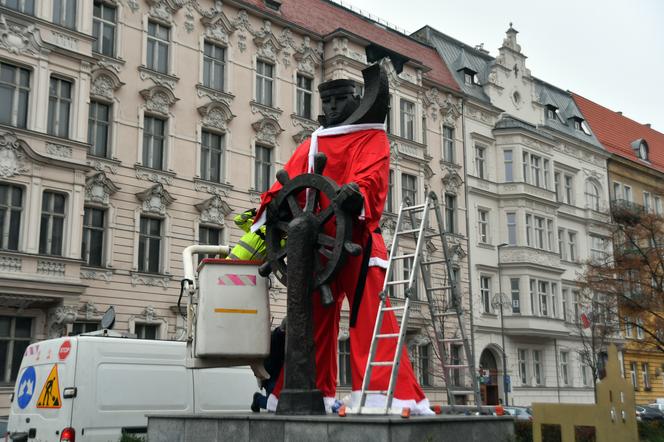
(378, 400)
(273, 401)
(339, 130)
(374, 261)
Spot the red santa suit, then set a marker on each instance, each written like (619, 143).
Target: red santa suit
(361, 154)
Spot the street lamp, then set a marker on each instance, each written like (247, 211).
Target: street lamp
(499, 302)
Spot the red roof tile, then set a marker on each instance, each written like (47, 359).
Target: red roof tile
(617, 132)
(323, 17)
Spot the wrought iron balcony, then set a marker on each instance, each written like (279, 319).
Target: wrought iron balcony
(626, 212)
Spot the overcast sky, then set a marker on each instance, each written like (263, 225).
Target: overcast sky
(609, 51)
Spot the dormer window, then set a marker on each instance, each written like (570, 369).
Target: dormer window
(577, 124)
(640, 148)
(469, 77)
(551, 112)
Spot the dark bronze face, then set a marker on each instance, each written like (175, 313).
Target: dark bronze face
(338, 107)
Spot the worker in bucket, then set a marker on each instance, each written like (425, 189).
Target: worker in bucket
(273, 364)
(252, 244)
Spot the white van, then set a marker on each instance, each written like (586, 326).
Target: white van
(92, 388)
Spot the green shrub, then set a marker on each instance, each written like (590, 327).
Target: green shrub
(651, 432)
(126, 437)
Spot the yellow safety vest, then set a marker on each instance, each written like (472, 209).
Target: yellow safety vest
(250, 247)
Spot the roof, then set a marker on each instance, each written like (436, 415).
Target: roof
(324, 17)
(457, 56)
(617, 133)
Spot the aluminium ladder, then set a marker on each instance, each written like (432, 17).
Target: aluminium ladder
(440, 307)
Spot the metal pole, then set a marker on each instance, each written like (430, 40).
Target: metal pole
(502, 325)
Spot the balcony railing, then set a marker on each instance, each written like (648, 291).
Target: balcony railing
(626, 212)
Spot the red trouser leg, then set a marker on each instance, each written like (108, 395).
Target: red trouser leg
(407, 386)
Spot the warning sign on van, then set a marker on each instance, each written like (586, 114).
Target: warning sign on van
(50, 393)
(65, 348)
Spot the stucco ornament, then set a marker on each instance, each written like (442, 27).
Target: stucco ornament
(218, 27)
(302, 135)
(214, 210)
(158, 99)
(267, 131)
(216, 115)
(155, 199)
(98, 188)
(12, 156)
(164, 9)
(104, 83)
(439, 105)
(307, 58)
(452, 181)
(392, 76)
(58, 319)
(19, 39)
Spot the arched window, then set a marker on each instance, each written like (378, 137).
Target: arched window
(592, 195)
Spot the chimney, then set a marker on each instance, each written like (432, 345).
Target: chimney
(647, 125)
(619, 112)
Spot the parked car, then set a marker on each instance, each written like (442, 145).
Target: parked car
(647, 413)
(519, 412)
(658, 405)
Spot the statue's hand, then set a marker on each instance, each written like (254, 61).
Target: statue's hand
(350, 199)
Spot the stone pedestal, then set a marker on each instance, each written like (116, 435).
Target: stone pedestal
(266, 427)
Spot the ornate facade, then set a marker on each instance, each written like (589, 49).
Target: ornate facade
(136, 128)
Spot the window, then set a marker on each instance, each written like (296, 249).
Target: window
(485, 293)
(407, 119)
(59, 106)
(509, 163)
(208, 236)
(450, 213)
(543, 293)
(658, 205)
(646, 376)
(523, 366)
(592, 196)
(212, 156)
(153, 142)
(556, 186)
(564, 367)
(344, 363)
(423, 356)
(146, 331)
(643, 150)
(15, 336)
(536, 170)
(617, 190)
(159, 41)
(561, 243)
(99, 128)
(264, 79)
(388, 117)
(628, 193)
(577, 124)
(634, 375)
(647, 202)
(569, 191)
(516, 295)
(64, 13)
(263, 166)
(92, 248)
(11, 207)
(214, 64)
(571, 243)
(480, 152)
(14, 94)
(52, 223)
(529, 229)
(537, 366)
(304, 96)
(103, 28)
(406, 269)
(565, 295)
(511, 228)
(389, 201)
(409, 188)
(24, 6)
(585, 375)
(448, 144)
(80, 327)
(483, 225)
(455, 359)
(469, 77)
(576, 301)
(551, 112)
(598, 247)
(639, 328)
(149, 245)
(539, 232)
(629, 332)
